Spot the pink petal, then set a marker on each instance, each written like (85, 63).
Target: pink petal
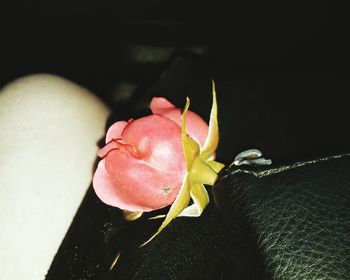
(196, 127)
(108, 193)
(138, 186)
(158, 142)
(115, 131)
(109, 147)
(158, 104)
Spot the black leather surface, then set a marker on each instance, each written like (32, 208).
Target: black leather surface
(296, 217)
(187, 249)
(292, 224)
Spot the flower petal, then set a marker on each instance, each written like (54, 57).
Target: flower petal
(197, 128)
(107, 192)
(140, 184)
(159, 104)
(158, 143)
(112, 145)
(115, 131)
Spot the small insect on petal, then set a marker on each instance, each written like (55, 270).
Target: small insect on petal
(166, 190)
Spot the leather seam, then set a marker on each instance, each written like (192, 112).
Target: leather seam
(280, 169)
(277, 170)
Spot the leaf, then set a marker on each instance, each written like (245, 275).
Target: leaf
(200, 198)
(190, 147)
(180, 203)
(212, 141)
(215, 165)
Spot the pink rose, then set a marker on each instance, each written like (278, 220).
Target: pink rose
(143, 164)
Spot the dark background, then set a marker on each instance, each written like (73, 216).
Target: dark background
(281, 67)
(113, 47)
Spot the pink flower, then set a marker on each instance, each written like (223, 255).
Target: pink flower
(143, 164)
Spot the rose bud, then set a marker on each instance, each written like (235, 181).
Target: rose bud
(143, 164)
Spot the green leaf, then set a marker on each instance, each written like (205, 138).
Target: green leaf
(190, 147)
(180, 203)
(200, 198)
(212, 140)
(215, 165)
